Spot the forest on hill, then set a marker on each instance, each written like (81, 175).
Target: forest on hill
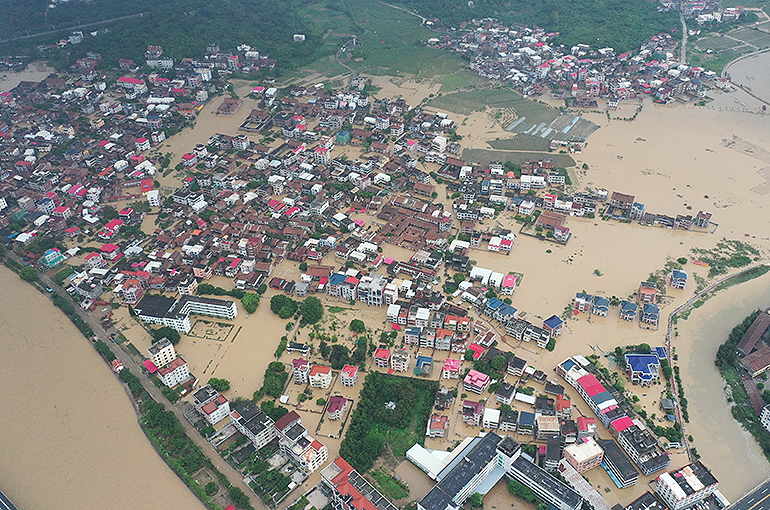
(182, 27)
(185, 27)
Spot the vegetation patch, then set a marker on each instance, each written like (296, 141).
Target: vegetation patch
(392, 410)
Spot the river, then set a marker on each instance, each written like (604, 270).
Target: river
(726, 448)
(753, 72)
(69, 435)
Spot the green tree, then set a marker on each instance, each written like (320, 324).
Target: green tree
(476, 500)
(283, 306)
(303, 266)
(219, 384)
(166, 332)
(250, 302)
(211, 488)
(499, 362)
(551, 344)
(311, 310)
(321, 402)
(357, 326)
(28, 274)
(458, 278)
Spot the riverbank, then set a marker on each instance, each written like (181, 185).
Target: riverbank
(72, 439)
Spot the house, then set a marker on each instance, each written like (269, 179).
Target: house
(349, 490)
(678, 279)
(600, 306)
(437, 426)
(162, 352)
(174, 373)
(647, 292)
(336, 408)
(382, 357)
(216, 410)
(472, 412)
(253, 423)
(349, 375)
(628, 310)
(582, 303)
(320, 376)
(685, 487)
(553, 325)
(509, 420)
(650, 314)
(451, 368)
(476, 381)
(491, 419)
(526, 424)
(584, 455)
(301, 369)
(517, 366)
(505, 392)
(52, 258)
(399, 360)
(642, 368)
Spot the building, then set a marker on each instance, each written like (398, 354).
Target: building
(301, 369)
(650, 314)
(678, 280)
(617, 465)
(546, 426)
(176, 313)
(476, 381)
(303, 450)
(349, 375)
(764, 417)
(505, 393)
(337, 407)
(437, 426)
(216, 410)
(174, 373)
(382, 357)
(348, 490)
(491, 419)
(451, 368)
(642, 368)
(647, 292)
(584, 455)
(472, 412)
(399, 360)
(253, 423)
(686, 487)
(52, 258)
(553, 325)
(162, 352)
(320, 376)
(646, 501)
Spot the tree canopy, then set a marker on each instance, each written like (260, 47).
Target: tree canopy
(219, 384)
(166, 332)
(283, 306)
(311, 310)
(357, 326)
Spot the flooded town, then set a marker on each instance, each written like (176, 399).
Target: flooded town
(542, 283)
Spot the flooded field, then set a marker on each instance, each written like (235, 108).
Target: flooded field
(70, 436)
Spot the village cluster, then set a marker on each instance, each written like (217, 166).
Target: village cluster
(526, 58)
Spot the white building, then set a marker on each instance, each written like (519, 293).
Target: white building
(253, 423)
(687, 486)
(162, 353)
(174, 373)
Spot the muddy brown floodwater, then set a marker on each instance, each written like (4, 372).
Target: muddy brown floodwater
(69, 436)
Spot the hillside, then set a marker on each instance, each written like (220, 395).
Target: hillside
(621, 24)
(182, 27)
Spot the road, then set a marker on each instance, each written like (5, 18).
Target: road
(757, 499)
(683, 53)
(5, 503)
(235, 478)
(76, 27)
